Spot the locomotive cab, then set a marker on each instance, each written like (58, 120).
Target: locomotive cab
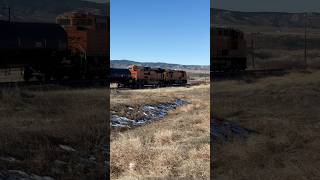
(228, 50)
(87, 43)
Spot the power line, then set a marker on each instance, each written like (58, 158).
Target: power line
(305, 40)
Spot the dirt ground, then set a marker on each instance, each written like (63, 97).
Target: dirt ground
(285, 113)
(177, 146)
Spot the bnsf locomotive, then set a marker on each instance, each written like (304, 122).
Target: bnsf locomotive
(74, 47)
(138, 77)
(228, 50)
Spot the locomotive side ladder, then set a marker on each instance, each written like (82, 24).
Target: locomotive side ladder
(83, 59)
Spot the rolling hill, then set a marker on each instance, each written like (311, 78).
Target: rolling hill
(46, 10)
(126, 63)
(273, 19)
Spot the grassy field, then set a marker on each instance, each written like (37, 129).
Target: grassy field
(199, 78)
(53, 133)
(171, 148)
(284, 59)
(282, 47)
(285, 112)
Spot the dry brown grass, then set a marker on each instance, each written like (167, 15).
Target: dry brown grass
(282, 47)
(34, 124)
(174, 147)
(284, 59)
(285, 111)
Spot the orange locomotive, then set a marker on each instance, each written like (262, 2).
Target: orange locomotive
(175, 77)
(146, 76)
(141, 76)
(228, 50)
(86, 32)
(87, 37)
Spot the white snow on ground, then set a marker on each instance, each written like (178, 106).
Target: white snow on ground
(225, 130)
(150, 113)
(18, 175)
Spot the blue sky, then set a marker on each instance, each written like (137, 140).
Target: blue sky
(171, 31)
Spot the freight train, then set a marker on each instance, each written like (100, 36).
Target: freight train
(228, 50)
(75, 47)
(139, 77)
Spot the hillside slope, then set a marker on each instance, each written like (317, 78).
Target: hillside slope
(275, 19)
(126, 63)
(46, 10)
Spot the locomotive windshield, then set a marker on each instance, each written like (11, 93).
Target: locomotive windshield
(64, 22)
(82, 22)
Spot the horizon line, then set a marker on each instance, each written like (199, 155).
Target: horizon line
(160, 62)
(264, 11)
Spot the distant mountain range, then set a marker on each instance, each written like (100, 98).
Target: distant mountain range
(126, 63)
(46, 10)
(273, 19)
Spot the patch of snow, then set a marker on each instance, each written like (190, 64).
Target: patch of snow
(17, 175)
(149, 112)
(67, 148)
(224, 130)
(58, 162)
(92, 158)
(117, 121)
(8, 159)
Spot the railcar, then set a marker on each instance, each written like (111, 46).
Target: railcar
(75, 47)
(120, 76)
(37, 46)
(228, 50)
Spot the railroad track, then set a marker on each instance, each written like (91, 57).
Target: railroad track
(154, 87)
(249, 73)
(54, 84)
(266, 72)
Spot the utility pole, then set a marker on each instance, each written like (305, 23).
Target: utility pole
(305, 40)
(9, 9)
(252, 50)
